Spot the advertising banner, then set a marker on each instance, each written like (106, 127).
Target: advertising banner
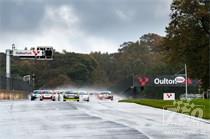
(168, 96)
(27, 53)
(172, 81)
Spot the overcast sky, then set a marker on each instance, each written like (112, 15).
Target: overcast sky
(80, 25)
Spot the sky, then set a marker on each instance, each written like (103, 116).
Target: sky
(81, 26)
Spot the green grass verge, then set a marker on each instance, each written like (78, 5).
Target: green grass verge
(201, 103)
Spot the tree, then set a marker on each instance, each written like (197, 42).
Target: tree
(66, 68)
(187, 39)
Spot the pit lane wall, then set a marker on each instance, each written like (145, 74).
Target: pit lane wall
(13, 95)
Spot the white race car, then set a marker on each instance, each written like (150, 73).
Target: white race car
(35, 94)
(84, 96)
(104, 95)
(47, 94)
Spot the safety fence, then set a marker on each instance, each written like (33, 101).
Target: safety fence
(14, 84)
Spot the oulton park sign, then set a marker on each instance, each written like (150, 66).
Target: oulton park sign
(165, 81)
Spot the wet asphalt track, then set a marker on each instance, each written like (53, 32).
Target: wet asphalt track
(93, 120)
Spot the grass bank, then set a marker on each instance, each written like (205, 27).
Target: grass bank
(193, 104)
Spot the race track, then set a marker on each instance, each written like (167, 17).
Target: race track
(94, 120)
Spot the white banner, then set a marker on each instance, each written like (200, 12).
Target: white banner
(27, 53)
(169, 96)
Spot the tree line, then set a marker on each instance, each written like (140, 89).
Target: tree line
(186, 42)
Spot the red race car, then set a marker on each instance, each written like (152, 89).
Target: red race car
(105, 95)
